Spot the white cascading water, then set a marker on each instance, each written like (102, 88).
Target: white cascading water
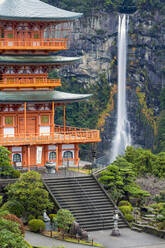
(122, 137)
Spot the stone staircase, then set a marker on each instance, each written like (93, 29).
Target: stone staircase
(86, 199)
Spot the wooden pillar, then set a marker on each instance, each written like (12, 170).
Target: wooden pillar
(28, 158)
(60, 155)
(76, 154)
(10, 155)
(25, 118)
(53, 118)
(64, 117)
(57, 163)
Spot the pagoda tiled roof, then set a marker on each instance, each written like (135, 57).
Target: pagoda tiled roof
(41, 96)
(33, 10)
(37, 59)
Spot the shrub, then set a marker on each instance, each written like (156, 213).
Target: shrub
(14, 207)
(161, 225)
(124, 203)
(158, 206)
(14, 218)
(16, 174)
(64, 219)
(126, 209)
(31, 217)
(40, 217)
(129, 217)
(52, 217)
(36, 225)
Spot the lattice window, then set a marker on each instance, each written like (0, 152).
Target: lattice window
(17, 157)
(68, 154)
(44, 119)
(9, 121)
(52, 156)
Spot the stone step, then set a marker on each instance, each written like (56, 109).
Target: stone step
(86, 200)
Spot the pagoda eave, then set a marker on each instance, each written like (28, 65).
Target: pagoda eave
(38, 59)
(41, 96)
(34, 10)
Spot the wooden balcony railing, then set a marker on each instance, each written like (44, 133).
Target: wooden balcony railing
(71, 135)
(34, 44)
(29, 82)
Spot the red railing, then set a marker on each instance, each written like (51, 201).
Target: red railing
(29, 82)
(70, 135)
(52, 44)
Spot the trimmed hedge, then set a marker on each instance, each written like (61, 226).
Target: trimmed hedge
(124, 203)
(129, 217)
(126, 209)
(36, 225)
(161, 225)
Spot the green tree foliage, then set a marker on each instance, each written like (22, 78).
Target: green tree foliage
(30, 192)
(121, 182)
(10, 235)
(87, 6)
(145, 162)
(14, 207)
(64, 219)
(83, 6)
(84, 114)
(6, 169)
(150, 4)
(160, 138)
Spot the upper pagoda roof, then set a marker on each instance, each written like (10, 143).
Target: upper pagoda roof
(33, 10)
(37, 59)
(41, 96)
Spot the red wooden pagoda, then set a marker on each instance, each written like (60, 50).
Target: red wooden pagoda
(31, 32)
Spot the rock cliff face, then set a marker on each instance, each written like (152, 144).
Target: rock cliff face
(95, 39)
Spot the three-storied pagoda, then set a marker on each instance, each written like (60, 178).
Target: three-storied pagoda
(31, 32)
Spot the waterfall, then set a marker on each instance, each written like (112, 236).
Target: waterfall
(122, 137)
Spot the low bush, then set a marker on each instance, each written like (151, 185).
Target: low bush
(40, 217)
(161, 225)
(31, 217)
(52, 217)
(126, 209)
(36, 225)
(14, 218)
(14, 207)
(160, 218)
(129, 217)
(124, 203)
